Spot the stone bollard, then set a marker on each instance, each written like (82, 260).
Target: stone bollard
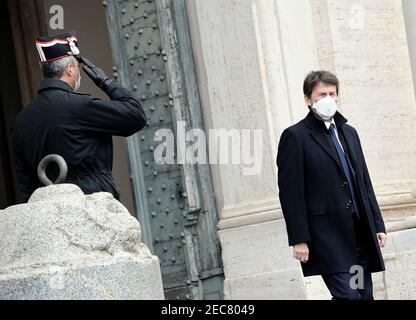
(64, 244)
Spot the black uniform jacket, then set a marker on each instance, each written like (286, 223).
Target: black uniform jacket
(77, 126)
(315, 199)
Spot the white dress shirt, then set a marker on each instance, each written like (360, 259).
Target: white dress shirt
(327, 124)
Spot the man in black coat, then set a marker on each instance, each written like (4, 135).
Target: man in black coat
(76, 126)
(332, 216)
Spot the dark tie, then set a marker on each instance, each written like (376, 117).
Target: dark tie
(345, 168)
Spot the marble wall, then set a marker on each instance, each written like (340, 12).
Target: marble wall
(251, 58)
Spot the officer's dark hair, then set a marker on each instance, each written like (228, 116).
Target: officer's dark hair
(314, 77)
(55, 69)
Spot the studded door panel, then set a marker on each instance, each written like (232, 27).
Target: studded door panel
(190, 269)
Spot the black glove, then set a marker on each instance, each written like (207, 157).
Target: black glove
(96, 74)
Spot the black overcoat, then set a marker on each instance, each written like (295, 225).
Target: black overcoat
(315, 199)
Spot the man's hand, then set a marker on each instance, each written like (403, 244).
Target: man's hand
(96, 74)
(382, 238)
(301, 252)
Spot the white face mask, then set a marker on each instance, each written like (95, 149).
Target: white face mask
(78, 83)
(325, 108)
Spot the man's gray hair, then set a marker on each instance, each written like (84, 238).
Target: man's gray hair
(55, 69)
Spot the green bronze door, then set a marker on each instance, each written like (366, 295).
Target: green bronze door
(174, 202)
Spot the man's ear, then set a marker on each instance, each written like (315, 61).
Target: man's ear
(308, 101)
(71, 69)
(68, 71)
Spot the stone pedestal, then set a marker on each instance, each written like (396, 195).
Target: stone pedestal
(63, 244)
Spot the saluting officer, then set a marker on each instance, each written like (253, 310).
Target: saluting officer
(77, 126)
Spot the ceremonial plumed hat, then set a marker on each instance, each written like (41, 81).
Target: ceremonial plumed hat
(51, 48)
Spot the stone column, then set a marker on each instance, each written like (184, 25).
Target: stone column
(251, 57)
(365, 43)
